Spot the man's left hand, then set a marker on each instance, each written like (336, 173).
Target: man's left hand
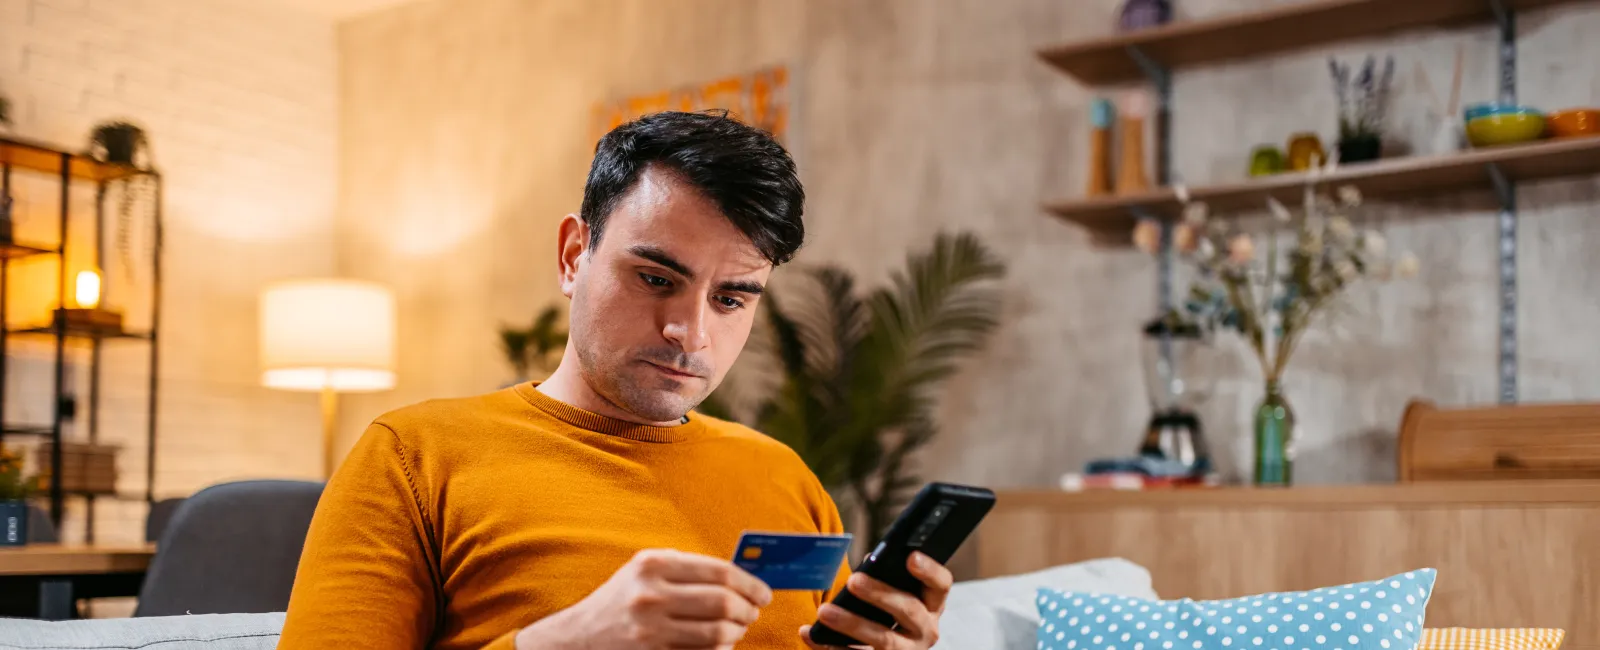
(917, 620)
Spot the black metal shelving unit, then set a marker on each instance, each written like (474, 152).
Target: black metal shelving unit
(71, 171)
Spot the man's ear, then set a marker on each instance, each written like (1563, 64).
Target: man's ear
(571, 244)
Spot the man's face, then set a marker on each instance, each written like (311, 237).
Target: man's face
(662, 307)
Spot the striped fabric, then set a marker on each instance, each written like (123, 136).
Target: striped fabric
(1462, 638)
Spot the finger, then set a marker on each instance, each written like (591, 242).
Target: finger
(805, 637)
(689, 568)
(909, 612)
(860, 629)
(709, 603)
(935, 578)
(702, 634)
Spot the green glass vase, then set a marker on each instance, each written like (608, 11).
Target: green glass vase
(1274, 436)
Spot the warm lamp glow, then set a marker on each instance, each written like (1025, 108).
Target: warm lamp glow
(88, 290)
(327, 334)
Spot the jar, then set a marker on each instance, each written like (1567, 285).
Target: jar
(1305, 152)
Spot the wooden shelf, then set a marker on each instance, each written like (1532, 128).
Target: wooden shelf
(18, 251)
(1285, 27)
(76, 332)
(1111, 218)
(46, 159)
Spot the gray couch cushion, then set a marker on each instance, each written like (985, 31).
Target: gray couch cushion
(198, 632)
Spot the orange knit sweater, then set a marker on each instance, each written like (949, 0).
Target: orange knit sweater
(454, 523)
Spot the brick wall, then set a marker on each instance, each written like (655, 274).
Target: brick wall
(239, 99)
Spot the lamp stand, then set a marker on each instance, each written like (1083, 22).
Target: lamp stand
(330, 417)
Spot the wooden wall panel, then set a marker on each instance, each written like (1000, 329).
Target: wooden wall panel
(1508, 555)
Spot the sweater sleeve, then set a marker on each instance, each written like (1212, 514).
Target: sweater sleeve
(365, 575)
(828, 523)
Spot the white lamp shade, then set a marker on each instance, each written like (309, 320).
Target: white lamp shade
(327, 333)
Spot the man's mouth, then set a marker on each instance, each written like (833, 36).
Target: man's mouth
(673, 372)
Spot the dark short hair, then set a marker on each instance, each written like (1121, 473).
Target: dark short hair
(742, 169)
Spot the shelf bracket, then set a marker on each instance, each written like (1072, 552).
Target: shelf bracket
(1506, 20)
(1502, 13)
(1506, 190)
(1157, 74)
(1161, 77)
(1141, 212)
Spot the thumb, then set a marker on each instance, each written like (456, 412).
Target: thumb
(805, 635)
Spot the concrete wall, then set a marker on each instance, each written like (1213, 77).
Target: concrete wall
(463, 134)
(239, 100)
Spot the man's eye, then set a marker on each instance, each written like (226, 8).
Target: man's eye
(730, 302)
(655, 280)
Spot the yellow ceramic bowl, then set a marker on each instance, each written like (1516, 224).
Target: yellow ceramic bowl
(1505, 128)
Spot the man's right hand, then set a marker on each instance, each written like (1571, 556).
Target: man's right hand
(660, 599)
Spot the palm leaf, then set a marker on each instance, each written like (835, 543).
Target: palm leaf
(857, 394)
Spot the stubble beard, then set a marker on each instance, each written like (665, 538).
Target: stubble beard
(631, 385)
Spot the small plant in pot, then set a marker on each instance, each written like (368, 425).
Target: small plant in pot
(536, 348)
(118, 143)
(124, 143)
(14, 490)
(1363, 102)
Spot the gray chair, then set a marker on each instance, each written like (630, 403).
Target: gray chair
(40, 529)
(160, 515)
(230, 549)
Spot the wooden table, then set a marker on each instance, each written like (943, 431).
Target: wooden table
(44, 580)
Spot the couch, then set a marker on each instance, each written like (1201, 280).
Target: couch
(992, 614)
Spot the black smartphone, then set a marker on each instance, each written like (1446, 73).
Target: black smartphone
(938, 520)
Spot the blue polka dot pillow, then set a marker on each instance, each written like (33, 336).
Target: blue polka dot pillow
(1383, 614)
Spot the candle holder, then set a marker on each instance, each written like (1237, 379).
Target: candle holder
(93, 321)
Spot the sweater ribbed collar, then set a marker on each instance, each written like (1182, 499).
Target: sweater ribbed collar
(597, 423)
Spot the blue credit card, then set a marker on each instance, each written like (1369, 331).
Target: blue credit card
(796, 562)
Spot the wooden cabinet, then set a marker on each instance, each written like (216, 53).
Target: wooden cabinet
(1519, 442)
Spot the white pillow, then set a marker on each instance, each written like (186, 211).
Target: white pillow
(1002, 613)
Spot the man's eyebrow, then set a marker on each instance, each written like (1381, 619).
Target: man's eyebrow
(741, 286)
(661, 257)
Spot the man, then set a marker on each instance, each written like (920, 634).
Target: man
(595, 510)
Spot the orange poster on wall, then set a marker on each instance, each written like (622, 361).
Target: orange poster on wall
(760, 99)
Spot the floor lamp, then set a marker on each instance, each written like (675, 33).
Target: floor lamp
(329, 336)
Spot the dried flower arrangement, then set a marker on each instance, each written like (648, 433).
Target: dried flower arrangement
(1271, 299)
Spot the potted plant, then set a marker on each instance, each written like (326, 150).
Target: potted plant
(857, 374)
(126, 144)
(118, 143)
(14, 490)
(1272, 297)
(536, 347)
(1363, 103)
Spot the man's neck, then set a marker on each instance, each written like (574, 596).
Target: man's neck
(568, 385)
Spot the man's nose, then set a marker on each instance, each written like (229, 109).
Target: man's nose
(685, 322)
